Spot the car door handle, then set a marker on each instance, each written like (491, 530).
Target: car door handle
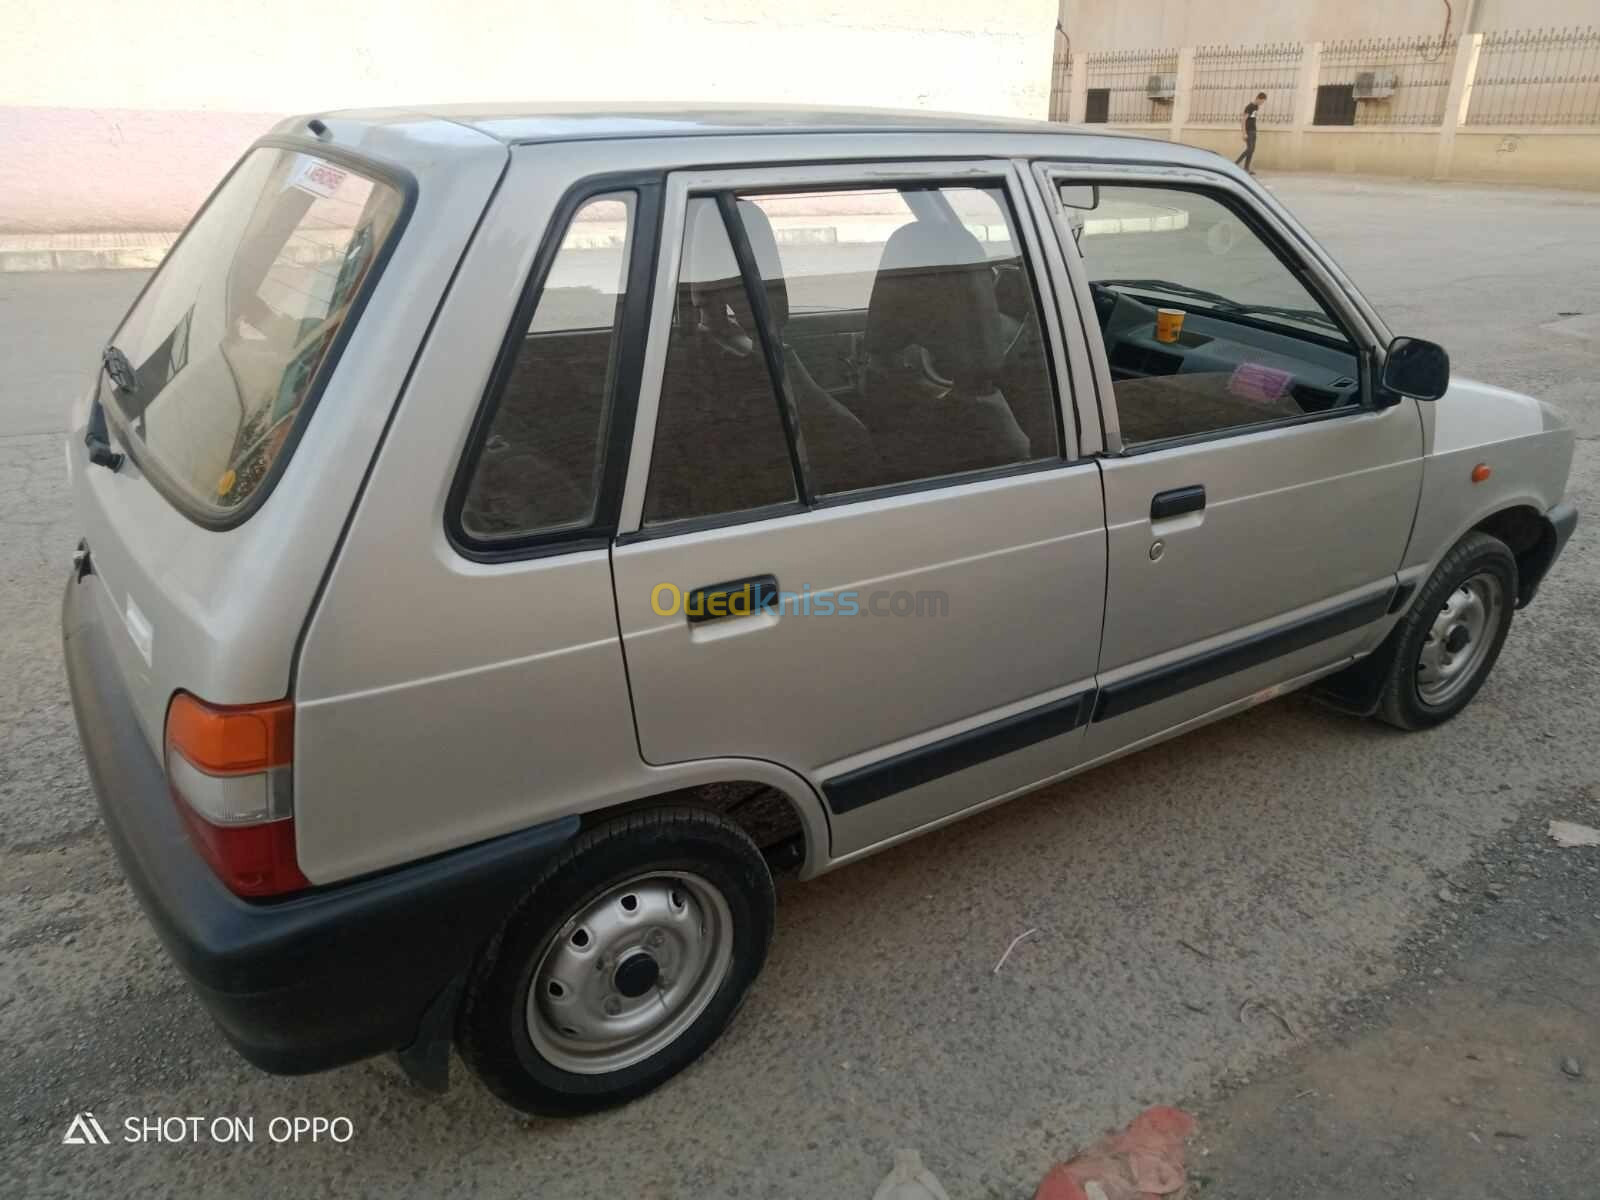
(1178, 501)
(735, 598)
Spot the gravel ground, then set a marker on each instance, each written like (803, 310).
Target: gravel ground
(1290, 857)
(1473, 1074)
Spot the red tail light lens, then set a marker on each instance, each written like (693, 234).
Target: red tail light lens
(229, 768)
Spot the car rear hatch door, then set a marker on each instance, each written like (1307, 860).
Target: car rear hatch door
(209, 500)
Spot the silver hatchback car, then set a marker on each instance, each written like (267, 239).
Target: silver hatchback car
(512, 537)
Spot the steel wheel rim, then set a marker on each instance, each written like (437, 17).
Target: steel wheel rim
(1458, 642)
(629, 971)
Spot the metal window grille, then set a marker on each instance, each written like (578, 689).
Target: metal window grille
(1130, 80)
(1537, 77)
(1226, 78)
(1393, 81)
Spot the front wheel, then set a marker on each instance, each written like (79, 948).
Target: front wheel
(1452, 635)
(622, 965)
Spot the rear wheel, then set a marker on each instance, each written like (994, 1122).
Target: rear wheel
(1452, 635)
(623, 964)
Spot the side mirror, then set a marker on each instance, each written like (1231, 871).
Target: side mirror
(1085, 196)
(1417, 369)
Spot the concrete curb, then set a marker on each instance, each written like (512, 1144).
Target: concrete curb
(83, 251)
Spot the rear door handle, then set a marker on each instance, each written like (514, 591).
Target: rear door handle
(1178, 501)
(735, 598)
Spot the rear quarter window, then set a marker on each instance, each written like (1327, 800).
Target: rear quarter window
(231, 340)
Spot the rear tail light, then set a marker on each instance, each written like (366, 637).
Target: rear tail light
(229, 768)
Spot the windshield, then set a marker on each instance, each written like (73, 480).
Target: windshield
(225, 346)
(1179, 244)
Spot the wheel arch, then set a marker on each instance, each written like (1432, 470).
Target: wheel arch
(780, 811)
(1532, 539)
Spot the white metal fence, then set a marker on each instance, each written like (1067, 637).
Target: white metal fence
(1384, 81)
(1537, 77)
(1226, 78)
(1061, 79)
(1131, 87)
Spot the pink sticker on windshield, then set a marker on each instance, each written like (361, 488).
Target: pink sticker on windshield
(1258, 383)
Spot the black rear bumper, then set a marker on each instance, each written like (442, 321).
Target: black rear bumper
(326, 977)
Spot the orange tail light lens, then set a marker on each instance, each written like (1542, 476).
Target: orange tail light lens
(230, 772)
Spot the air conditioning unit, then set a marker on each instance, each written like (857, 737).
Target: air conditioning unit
(1375, 85)
(1161, 87)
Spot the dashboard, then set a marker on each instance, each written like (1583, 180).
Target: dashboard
(1223, 370)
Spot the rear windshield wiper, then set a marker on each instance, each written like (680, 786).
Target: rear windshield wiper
(119, 370)
(97, 437)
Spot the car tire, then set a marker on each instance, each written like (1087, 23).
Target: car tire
(1452, 634)
(623, 963)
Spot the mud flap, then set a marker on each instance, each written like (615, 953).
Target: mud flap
(426, 1061)
(1356, 689)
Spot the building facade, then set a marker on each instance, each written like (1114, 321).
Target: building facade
(1094, 25)
(1469, 89)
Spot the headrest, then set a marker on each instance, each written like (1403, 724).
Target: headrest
(764, 246)
(935, 290)
(711, 271)
(709, 267)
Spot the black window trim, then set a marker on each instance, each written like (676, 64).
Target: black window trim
(217, 519)
(644, 240)
(1371, 401)
(727, 198)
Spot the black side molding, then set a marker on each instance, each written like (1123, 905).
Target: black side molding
(855, 789)
(877, 781)
(1129, 694)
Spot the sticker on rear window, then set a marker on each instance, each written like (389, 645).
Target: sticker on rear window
(317, 177)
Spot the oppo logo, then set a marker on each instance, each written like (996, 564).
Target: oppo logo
(86, 1130)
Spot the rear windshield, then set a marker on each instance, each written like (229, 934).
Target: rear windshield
(228, 340)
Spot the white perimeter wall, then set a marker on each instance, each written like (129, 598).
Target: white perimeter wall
(121, 116)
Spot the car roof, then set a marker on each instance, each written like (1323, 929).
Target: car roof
(514, 123)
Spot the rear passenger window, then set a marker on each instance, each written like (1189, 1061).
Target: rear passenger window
(910, 335)
(906, 335)
(539, 467)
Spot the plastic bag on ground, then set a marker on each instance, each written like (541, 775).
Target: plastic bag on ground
(909, 1180)
(1142, 1162)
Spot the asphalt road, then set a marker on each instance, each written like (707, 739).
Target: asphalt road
(1283, 856)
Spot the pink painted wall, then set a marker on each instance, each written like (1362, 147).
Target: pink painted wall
(75, 169)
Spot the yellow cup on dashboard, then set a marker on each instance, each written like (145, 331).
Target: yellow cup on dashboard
(1169, 324)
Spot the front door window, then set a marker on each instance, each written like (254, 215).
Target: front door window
(1206, 328)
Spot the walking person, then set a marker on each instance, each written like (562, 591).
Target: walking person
(1244, 160)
